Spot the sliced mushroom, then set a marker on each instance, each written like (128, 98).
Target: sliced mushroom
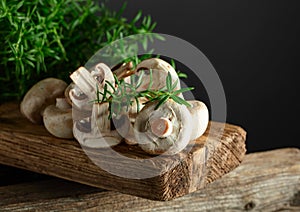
(91, 82)
(58, 119)
(67, 91)
(81, 106)
(102, 73)
(41, 95)
(164, 130)
(200, 118)
(77, 98)
(100, 134)
(85, 82)
(160, 70)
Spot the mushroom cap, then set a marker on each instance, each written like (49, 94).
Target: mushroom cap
(180, 119)
(58, 121)
(200, 118)
(41, 95)
(160, 70)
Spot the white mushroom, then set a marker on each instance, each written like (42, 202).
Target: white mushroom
(96, 132)
(164, 130)
(84, 91)
(102, 73)
(58, 119)
(81, 106)
(200, 118)
(77, 98)
(160, 70)
(41, 95)
(91, 82)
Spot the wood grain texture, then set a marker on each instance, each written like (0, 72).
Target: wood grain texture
(28, 146)
(266, 181)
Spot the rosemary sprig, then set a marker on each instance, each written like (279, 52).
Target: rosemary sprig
(125, 93)
(52, 38)
(163, 95)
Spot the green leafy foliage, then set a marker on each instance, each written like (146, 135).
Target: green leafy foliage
(124, 94)
(52, 38)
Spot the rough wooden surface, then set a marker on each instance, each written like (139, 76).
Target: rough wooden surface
(28, 146)
(266, 181)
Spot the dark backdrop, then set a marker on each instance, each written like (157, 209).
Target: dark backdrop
(253, 47)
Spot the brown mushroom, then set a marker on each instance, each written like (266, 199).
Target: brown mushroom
(123, 70)
(41, 95)
(58, 119)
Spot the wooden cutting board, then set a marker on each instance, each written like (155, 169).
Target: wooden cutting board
(29, 146)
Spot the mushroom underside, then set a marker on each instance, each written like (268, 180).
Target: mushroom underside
(178, 119)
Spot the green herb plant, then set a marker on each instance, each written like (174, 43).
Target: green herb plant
(124, 94)
(52, 38)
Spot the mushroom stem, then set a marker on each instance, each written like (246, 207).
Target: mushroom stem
(100, 119)
(61, 103)
(165, 130)
(124, 70)
(161, 127)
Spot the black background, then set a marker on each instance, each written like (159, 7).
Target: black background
(253, 46)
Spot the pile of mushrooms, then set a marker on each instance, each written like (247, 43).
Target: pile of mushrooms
(68, 111)
(45, 103)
